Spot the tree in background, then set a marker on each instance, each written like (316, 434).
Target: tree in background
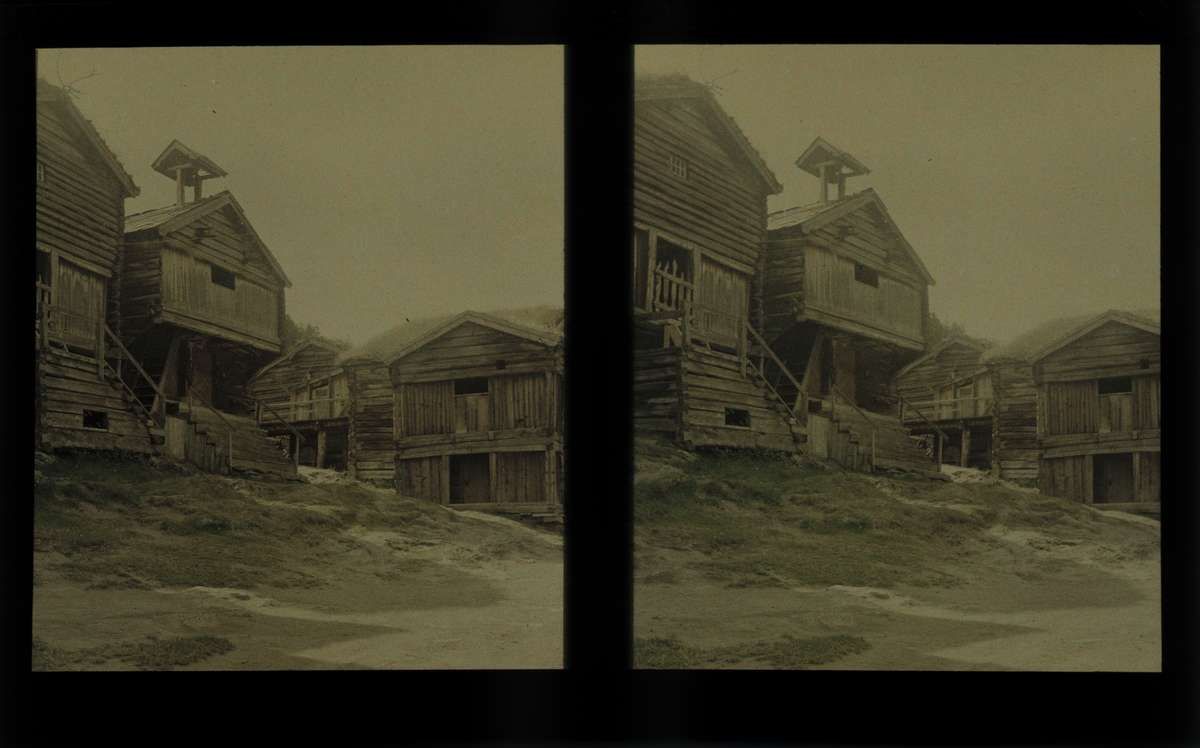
(292, 334)
(937, 331)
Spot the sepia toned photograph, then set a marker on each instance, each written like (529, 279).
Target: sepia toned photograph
(299, 386)
(897, 358)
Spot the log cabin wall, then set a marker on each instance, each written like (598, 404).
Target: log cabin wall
(691, 185)
(1015, 448)
(312, 363)
(924, 381)
(79, 212)
(371, 445)
(848, 273)
(482, 396)
(1099, 401)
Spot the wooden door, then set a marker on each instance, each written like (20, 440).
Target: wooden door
(722, 303)
(1112, 478)
(78, 297)
(470, 481)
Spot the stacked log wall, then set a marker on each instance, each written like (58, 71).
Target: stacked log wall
(924, 380)
(720, 205)
(371, 450)
(1015, 448)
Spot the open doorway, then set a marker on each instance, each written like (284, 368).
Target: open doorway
(469, 479)
(1112, 478)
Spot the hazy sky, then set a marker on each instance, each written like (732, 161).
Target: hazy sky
(1026, 178)
(389, 182)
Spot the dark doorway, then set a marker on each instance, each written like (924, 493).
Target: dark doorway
(1112, 478)
(469, 479)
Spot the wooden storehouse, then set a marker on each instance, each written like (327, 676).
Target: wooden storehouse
(202, 303)
(304, 393)
(845, 306)
(699, 219)
(81, 401)
(463, 410)
(976, 405)
(1099, 401)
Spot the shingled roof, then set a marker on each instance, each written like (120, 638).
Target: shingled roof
(542, 323)
(653, 87)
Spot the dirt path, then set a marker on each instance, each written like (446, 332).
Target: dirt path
(490, 596)
(1026, 602)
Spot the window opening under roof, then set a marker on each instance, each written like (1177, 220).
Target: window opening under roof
(223, 277)
(1114, 385)
(471, 386)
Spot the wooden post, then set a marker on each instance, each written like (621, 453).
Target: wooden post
(1088, 479)
(966, 445)
(231, 450)
(100, 349)
(492, 476)
(321, 445)
(824, 186)
(296, 450)
(939, 450)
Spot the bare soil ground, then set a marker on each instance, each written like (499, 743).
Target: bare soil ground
(133, 568)
(962, 574)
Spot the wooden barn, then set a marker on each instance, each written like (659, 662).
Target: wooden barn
(976, 405)
(302, 396)
(845, 306)
(699, 219)
(202, 299)
(1098, 400)
(475, 410)
(81, 400)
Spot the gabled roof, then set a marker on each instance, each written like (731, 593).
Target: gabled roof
(332, 346)
(1113, 315)
(177, 154)
(1049, 336)
(539, 324)
(174, 217)
(49, 92)
(648, 87)
(937, 349)
(821, 151)
(812, 217)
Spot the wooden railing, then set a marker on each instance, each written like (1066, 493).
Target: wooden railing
(671, 288)
(155, 412)
(949, 408)
(308, 410)
(942, 438)
(259, 404)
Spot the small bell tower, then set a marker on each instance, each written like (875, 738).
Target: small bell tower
(831, 166)
(188, 169)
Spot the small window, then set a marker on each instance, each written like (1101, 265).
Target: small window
(223, 277)
(95, 419)
(41, 172)
(864, 274)
(736, 417)
(679, 167)
(500, 364)
(1116, 385)
(815, 406)
(472, 386)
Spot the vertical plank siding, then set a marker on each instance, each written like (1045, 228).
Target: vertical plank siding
(517, 421)
(187, 287)
(829, 285)
(1147, 402)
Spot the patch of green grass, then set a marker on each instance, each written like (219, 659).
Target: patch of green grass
(788, 653)
(152, 654)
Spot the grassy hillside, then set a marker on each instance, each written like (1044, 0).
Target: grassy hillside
(132, 522)
(775, 520)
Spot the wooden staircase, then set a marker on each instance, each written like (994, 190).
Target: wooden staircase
(227, 443)
(893, 448)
